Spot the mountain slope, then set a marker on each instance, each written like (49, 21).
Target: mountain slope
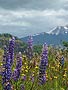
(55, 37)
(19, 45)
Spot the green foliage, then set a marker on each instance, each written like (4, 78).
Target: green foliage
(37, 49)
(19, 45)
(65, 44)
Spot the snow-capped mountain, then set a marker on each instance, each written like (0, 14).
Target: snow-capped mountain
(59, 30)
(54, 37)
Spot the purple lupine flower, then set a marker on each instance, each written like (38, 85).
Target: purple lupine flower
(6, 74)
(22, 87)
(24, 77)
(43, 64)
(30, 48)
(19, 61)
(16, 73)
(11, 49)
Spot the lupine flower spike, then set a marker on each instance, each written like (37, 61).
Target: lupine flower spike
(16, 73)
(30, 48)
(11, 49)
(43, 64)
(6, 74)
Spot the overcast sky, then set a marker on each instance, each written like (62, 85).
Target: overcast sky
(26, 17)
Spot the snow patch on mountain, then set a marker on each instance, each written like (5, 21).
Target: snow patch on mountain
(59, 30)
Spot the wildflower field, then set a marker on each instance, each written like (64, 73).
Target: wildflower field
(32, 71)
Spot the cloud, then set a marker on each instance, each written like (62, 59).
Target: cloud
(11, 18)
(25, 17)
(33, 4)
(28, 22)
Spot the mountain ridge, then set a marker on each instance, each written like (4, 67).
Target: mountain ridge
(54, 37)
